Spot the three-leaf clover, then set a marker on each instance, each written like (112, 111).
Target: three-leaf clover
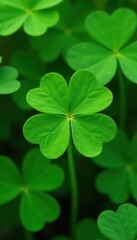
(8, 82)
(35, 16)
(65, 109)
(38, 177)
(119, 157)
(111, 33)
(119, 225)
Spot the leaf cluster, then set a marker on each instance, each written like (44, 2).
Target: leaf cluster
(38, 178)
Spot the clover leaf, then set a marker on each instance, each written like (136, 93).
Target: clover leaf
(69, 109)
(8, 82)
(111, 32)
(121, 172)
(35, 16)
(68, 31)
(121, 224)
(38, 177)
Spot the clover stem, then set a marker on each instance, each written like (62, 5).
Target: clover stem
(74, 190)
(122, 95)
(28, 235)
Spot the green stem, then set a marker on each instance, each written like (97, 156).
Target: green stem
(28, 235)
(122, 102)
(74, 190)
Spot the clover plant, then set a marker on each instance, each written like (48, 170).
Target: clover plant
(69, 111)
(63, 108)
(111, 32)
(35, 16)
(38, 176)
(121, 172)
(56, 56)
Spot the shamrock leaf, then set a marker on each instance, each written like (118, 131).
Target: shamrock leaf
(121, 224)
(111, 33)
(69, 31)
(39, 176)
(8, 82)
(69, 108)
(121, 173)
(35, 16)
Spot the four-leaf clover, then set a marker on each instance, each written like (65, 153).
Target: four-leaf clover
(38, 177)
(119, 157)
(65, 110)
(111, 33)
(35, 16)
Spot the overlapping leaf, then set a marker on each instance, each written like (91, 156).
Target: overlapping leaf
(37, 207)
(35, 16)
(121, 172)
(121, 224)
(65, 109)
(111, 32)
(8, 82)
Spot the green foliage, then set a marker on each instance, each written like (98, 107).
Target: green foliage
(38, 177)
(119, 157)
(97, 38)
(63, 109)
(35, 16)
(8, 82)
(121, 224)
(111, 33)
